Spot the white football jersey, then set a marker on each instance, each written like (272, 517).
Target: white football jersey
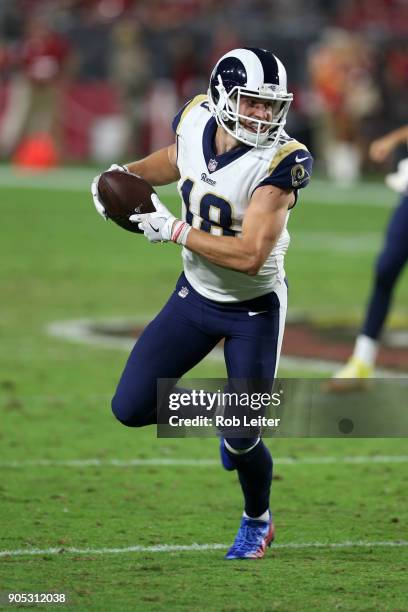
(216, 191)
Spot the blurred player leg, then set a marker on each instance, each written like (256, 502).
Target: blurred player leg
(388, 268)
(389, 265)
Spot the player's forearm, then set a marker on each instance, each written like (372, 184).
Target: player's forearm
(382, 148)
(398, 136)
(227, 251)
(156, 168)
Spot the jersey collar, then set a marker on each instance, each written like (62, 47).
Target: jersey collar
(213, 161)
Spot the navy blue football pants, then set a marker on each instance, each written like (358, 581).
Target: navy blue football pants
(388, 267)
(187, 328)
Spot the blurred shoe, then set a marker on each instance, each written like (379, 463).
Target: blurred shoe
(252, 539)
(352, 376)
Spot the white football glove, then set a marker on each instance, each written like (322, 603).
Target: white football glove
(398, 181)
(162, 225)
(94, 190)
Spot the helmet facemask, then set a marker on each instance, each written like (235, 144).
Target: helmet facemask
(227, 115)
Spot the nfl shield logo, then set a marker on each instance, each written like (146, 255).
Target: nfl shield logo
(183, 292)
(212, 165)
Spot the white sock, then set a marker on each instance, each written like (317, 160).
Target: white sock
(264, 517)
(366, 349)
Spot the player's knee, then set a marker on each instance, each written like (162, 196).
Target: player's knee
(118, 411)
(126, 413)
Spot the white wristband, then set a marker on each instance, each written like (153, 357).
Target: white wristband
(180, 232)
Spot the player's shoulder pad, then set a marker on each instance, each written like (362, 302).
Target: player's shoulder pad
(183, 112)
(290, 167)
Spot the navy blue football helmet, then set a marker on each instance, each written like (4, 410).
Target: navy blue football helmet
(253, 73)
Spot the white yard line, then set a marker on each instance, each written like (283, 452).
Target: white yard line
(171, 548)
(163, 462)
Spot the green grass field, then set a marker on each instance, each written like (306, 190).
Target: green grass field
(69, 523)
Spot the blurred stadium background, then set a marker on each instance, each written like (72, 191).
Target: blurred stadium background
(83, 84)
(103, 78)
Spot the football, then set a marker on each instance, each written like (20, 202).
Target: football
(123, 194)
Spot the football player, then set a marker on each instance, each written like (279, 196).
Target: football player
(390, 262)
(238, 176)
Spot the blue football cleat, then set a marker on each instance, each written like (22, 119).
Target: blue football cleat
(252, 539)
(227, 462)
